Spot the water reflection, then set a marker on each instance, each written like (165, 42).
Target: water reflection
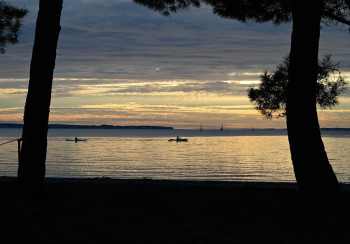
(253, 158)
(232, 158)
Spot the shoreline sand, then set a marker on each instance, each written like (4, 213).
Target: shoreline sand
(153, 211)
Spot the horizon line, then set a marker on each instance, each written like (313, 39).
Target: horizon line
(161, 126)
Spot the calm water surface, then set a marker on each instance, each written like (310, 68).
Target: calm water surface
(208, 155)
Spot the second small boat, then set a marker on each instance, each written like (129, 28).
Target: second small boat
(178, 139)
(76, 139)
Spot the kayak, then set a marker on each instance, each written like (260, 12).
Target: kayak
(76, 140)
(178, 139)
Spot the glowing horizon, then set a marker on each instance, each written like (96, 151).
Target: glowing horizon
(126, 65)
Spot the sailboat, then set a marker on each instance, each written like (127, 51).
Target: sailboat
(222, 127)
(201, 128)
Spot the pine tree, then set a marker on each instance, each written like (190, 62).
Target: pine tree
(313, 171)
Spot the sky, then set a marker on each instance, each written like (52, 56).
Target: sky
(120, 63)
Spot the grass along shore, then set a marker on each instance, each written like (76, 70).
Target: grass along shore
(152, 211)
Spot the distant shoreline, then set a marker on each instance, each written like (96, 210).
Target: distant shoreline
(147, 127)
(68, 126)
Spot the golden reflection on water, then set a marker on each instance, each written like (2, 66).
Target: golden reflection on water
(229, 158)
(243, 158)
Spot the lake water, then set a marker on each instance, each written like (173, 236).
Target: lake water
(208, 155)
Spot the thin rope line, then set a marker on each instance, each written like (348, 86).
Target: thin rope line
(10, 141)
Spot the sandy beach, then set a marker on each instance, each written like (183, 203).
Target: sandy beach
(151, 211)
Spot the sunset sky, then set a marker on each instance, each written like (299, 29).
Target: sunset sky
(120, 63)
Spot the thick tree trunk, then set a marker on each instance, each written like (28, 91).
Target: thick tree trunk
(31, 171)
(312, 170)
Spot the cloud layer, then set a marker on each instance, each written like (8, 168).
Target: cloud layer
(117, 52)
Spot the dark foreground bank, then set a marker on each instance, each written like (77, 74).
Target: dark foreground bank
(147, 211)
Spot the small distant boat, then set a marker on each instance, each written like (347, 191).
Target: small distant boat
(201, 128)
(178, 139)
(222, 127)
(76, 139)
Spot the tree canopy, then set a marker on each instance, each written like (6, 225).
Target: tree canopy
(270, 97)
(10, 23)
(276, 11)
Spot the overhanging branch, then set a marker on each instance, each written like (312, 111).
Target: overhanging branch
(337, 18)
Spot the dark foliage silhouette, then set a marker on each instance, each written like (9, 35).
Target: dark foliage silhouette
(31, 171)
(312, 169)
(166, 7)
(270, 97)
(10, 24)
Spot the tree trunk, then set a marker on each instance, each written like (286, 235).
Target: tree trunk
(312, 170)
(31, 170)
